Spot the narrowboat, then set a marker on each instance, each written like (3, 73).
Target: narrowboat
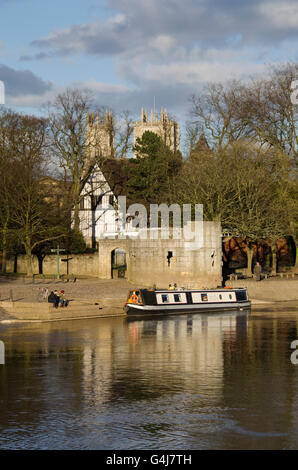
(149, 301)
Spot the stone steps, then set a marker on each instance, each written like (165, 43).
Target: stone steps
(34, 311)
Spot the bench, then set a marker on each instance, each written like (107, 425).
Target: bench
(67, 278)
(287, 275)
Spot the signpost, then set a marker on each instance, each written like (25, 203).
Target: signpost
(57, 251)
(66, 260)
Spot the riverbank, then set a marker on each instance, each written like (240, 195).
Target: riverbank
(97, 298)
(88, 298)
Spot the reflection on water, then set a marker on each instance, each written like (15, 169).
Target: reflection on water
(217, 381)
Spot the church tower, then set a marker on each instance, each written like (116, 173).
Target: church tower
(164, 127)
(100, 134)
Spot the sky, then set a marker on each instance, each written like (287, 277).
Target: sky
(132, 52)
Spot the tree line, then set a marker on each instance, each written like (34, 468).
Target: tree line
(240, 162)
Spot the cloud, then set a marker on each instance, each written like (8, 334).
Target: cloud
(95, 38)
(170, 48)
(154, 26)
(20, 83)
(281, 15)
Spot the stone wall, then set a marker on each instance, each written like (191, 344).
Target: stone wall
(148, 261)
(83, 265)
(160, 262)
(271, 290)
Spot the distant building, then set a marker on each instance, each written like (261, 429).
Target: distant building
(101, 134)
(98, 208)
(164, 127)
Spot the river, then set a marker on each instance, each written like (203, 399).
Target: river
(201, 381)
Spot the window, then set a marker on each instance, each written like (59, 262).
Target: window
(111, 201)
(230, 296)
(164, 298)
(170, 255)
(204, 297)
(220, 297)
(95, 201)
(82, 204)
(177, 297)
(241, 295)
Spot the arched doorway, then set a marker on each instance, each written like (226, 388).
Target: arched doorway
(118, 263)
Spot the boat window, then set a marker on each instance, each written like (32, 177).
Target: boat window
(220, 297)
(164, 297)
(177, 297)
(241, 295)
(230, 295)
(204, 297)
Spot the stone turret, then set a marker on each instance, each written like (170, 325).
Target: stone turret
(101, 133)
(164, 127)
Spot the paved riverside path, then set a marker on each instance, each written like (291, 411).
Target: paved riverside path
(270, 290)
(82, 289)
(88, 298)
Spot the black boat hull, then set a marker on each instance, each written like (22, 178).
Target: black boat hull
(132, 309)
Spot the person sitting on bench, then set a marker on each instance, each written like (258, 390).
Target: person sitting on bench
(54, 299)
(62, 300)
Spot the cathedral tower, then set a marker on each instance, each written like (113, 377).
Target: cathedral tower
(100, 134)
(164, 127)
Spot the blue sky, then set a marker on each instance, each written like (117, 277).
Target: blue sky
(128, 51)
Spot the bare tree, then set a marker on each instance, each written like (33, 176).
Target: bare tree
(75, 143)
(267, 113)
(243, 188)
(215, 111)
(30, 217)
(124, 132)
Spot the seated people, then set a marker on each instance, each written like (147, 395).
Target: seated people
(62, 300)
(54, 299)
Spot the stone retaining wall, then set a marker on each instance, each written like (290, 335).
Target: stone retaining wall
(35, 311)
(269, 289)
(81, 265)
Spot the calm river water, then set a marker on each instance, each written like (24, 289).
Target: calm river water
(217, 381)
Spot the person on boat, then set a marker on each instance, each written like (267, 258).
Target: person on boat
(257, 271)
(171, 287)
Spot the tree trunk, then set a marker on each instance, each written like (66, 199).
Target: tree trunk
(29, 263)
(4, 247)
(40, 258)
(76, 217)
(4, 253)
(274, 258)
(249, 253)
(295, 267)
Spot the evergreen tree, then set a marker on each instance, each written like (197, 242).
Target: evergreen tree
(151, 175)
